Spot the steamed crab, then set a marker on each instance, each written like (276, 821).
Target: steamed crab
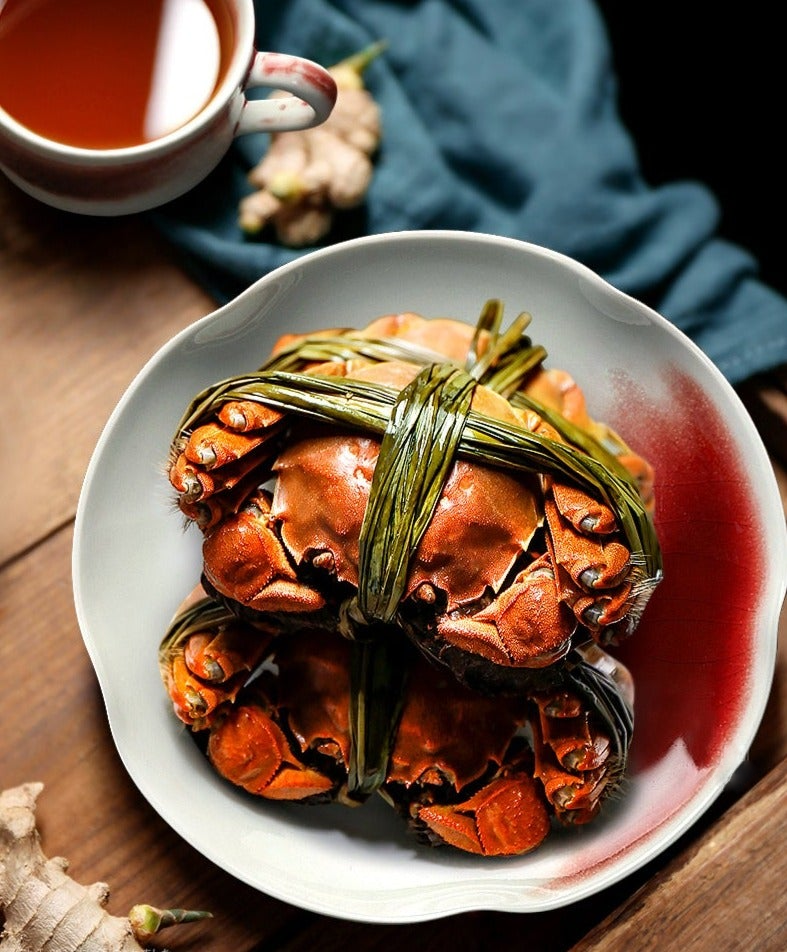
(427, 490)
(510, 567)
(482, 774)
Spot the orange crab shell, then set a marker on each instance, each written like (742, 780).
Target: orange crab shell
(459, 770)
(484, 520)
(442, 335)
(449, 740)
(506, 818)
(241, 555)
(449, 734)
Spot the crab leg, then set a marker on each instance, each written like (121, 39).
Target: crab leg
(564, 727)
(593, 572)
(288, 738)
(218, 657)
(245, 415)
(208, 511)
(581, 734)
(194, 701)
(221, 453)
(576, 800)
(206, 658)
(195, 483)
(643, 475)
(214, 445)
(591, 562)
(586, 514)
(570, 762)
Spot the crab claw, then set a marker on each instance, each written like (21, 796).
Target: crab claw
(506, 817)
(289, 737)
(527, 625)
(243, 559)
(249, 749)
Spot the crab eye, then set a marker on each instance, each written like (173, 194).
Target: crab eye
(324, 560)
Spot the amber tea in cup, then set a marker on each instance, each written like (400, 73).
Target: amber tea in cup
(104, 75)
(109, 107)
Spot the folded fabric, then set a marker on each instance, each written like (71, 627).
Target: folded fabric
(500, 116)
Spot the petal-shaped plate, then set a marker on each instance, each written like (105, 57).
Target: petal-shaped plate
(702, 658)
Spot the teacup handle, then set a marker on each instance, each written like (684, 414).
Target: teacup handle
(313, 94)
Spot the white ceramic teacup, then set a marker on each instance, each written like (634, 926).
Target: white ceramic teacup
(116, 181)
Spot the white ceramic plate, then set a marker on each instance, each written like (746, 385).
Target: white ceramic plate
(703, 657)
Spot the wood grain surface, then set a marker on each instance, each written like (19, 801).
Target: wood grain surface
(83, 304)
(739, 866)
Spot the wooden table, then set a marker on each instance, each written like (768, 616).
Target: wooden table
(83, 304)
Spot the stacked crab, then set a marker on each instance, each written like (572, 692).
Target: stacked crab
(417, 547)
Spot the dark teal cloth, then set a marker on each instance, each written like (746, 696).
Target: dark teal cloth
(500, 116)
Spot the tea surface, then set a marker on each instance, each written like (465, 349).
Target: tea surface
(100, 75)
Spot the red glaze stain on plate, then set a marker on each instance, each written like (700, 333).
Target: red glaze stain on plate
(691, 654)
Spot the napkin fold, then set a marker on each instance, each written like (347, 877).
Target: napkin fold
(500, 116)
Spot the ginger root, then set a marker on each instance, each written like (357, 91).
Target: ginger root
(46, 908)
(305, 176)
